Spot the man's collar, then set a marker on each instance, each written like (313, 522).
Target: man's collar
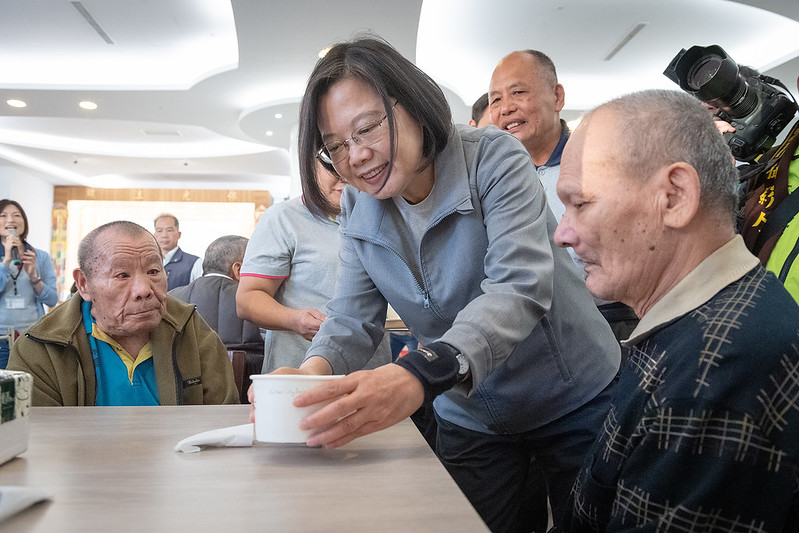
(724, 266)
(170, 254)
(217, 274)
(554, 158)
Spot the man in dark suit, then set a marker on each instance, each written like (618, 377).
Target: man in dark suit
(178, 264)
(214, 294)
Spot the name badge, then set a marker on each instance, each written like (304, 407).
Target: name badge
(15, 302)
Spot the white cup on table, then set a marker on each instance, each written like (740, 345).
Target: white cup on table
(276, 417)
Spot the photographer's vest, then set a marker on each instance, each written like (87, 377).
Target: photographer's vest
(770, 225)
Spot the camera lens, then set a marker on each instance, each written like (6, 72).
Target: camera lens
(737, 94)
(703, 71)
(712, 76)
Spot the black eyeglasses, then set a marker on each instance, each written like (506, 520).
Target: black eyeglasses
(366, 135)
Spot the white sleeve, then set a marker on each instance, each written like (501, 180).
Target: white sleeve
(196, 270)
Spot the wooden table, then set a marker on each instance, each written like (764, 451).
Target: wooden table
(115, 469)
(397, 325)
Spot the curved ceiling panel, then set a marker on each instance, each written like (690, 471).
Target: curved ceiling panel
(601, 49)
(113, 45)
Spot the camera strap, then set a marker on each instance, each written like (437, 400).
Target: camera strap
(776, 223)
(770, 208)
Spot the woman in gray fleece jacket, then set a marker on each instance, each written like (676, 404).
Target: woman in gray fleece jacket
(450, 226)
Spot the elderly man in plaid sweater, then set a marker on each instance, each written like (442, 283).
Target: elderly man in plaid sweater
(703, 430)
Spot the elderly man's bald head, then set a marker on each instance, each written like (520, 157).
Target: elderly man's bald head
(649, 190)
(87, 255)
(659, 127)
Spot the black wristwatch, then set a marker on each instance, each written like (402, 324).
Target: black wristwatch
(463, 363)
(433, 365)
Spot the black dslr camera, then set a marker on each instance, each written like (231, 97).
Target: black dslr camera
(756, 109)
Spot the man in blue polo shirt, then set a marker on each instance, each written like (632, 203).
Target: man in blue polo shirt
(121, 340)
(525, 99)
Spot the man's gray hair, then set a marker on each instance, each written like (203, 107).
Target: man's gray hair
(546, 66)
(222, 253)
(168, 215)
(661, 127)
(87, 256)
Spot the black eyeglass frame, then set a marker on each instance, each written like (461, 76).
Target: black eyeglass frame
(323, 154)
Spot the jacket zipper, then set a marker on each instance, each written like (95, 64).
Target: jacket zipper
(421, 286)
(421, 269)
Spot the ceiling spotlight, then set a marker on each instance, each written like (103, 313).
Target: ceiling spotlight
(270, 133)
(278, 115)
(16, 103)
(91, 106)
(323, 52)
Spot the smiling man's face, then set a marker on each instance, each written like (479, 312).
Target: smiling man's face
(526, 102)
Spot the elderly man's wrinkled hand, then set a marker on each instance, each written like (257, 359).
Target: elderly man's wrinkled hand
(364, 402)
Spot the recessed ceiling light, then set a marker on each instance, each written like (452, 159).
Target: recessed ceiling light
(270, 133)
(16, 103)
(323, 52)
(88, 105)
(278, 115)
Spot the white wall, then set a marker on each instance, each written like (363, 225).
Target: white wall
(200, 222)
(35, 194)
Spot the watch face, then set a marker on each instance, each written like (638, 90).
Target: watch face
(464, 365)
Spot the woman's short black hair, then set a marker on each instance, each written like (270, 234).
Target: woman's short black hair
(5, 202)
(376, 63)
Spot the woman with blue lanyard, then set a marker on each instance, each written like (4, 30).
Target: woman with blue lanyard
(450, 225)
(27, 277)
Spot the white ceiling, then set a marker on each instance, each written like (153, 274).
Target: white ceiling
(188, 89)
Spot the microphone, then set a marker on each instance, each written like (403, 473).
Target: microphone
(14, 250)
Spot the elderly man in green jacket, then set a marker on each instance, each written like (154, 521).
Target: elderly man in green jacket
(121, 340)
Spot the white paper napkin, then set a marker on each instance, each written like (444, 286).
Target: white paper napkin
(15, 499)
(233, 436)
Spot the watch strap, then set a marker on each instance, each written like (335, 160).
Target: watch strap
(435, 365)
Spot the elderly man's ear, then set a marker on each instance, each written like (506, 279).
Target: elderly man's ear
(80, 284)
(235, 271)
(680, 188)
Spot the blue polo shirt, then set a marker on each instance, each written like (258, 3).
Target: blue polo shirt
(554, 157)
(121, 378)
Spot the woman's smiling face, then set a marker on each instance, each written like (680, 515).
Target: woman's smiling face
(350, 104)
(11, 219)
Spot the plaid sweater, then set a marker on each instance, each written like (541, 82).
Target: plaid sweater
(703, 431)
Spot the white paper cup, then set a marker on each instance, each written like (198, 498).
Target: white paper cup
(276, 417)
